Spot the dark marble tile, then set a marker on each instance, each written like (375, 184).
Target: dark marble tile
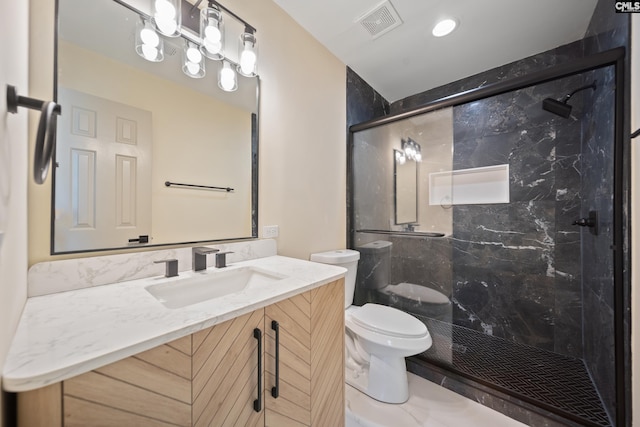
(568, 311)
(363, 102)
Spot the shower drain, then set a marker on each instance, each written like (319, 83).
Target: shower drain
(458, 348)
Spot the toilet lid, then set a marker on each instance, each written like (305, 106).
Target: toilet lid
(388, 321)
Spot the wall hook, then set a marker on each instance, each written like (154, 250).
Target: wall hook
(45, 138)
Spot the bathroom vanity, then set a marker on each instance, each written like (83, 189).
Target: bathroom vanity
(269, 354)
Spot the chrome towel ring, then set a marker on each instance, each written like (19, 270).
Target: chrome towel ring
(45, 138)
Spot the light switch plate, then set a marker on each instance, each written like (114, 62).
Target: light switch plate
(269, 231)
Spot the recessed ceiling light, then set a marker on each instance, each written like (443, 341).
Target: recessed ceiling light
(444, 27)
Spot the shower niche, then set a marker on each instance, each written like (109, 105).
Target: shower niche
(517, 296)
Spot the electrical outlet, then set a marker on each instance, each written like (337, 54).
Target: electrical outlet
(270, 231)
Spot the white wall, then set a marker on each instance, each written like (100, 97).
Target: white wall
(635, 219)
(13, 173)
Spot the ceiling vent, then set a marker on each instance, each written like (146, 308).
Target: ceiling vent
(380, 20)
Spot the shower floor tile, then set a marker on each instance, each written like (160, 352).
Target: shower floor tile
(548, 378)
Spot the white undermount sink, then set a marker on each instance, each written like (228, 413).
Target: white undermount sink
(180, 292)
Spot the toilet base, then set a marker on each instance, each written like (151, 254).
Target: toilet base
(384, 379)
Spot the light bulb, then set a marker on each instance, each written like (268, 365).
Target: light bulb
(227, 78)
(149, 37)
(194, 55)
(212, 47)
(212, 33)
(247, 61)
(418, 157)
(149, 52)
(193, 68)
(165, 10)
(166, 26)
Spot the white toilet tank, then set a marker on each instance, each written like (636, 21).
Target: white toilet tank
(347, 258)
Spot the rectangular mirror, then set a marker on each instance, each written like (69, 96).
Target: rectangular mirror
(130, 126)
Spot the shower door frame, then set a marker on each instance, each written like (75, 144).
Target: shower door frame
(621, 195)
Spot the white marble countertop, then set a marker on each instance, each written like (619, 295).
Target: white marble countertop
(65, 334)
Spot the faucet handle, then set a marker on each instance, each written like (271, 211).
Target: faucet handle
(171, 267)
(221, 259)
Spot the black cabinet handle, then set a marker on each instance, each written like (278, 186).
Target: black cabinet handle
(275, 389)
(257, 404)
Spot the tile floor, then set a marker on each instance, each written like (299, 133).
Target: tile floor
(429, 405)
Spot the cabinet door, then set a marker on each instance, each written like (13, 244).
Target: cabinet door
(292, 407)
(152, 388)
(327, 355)
(225, 373)
(311, 359)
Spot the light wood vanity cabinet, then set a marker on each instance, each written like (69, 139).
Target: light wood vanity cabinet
(210, 378)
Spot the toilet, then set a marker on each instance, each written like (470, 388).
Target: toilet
(377, 338)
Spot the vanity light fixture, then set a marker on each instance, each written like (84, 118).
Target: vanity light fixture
(203, 38)
(444, 27)
(412, 150)
(149, 44)
(192, 60)
(248, 52)
(167, 15)
(227, 78)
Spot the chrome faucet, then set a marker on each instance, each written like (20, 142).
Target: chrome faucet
(200, 257)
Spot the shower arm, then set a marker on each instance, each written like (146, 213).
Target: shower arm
(591, 86)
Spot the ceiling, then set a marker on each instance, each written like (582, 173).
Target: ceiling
(408, 59)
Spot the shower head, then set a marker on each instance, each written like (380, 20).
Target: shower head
(561, 108)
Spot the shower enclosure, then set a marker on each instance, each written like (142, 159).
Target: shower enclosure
(501, 224)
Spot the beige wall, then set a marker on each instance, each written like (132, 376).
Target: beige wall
(302, 181)
(14, 42)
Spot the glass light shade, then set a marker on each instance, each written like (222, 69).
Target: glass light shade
(148, 44)
(167, 16)
(212, 33)
(192, 61)
(227, 78)
(248, 54)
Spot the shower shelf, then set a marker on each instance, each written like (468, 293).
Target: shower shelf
(485, 185)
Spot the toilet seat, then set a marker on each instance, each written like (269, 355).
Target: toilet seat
(388, 321)
(376, 340)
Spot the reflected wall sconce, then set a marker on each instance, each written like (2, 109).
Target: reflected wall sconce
(212, 33)
(149, 44)
(203, 39)
(248, 53)
(192, 60)
(411, 150)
